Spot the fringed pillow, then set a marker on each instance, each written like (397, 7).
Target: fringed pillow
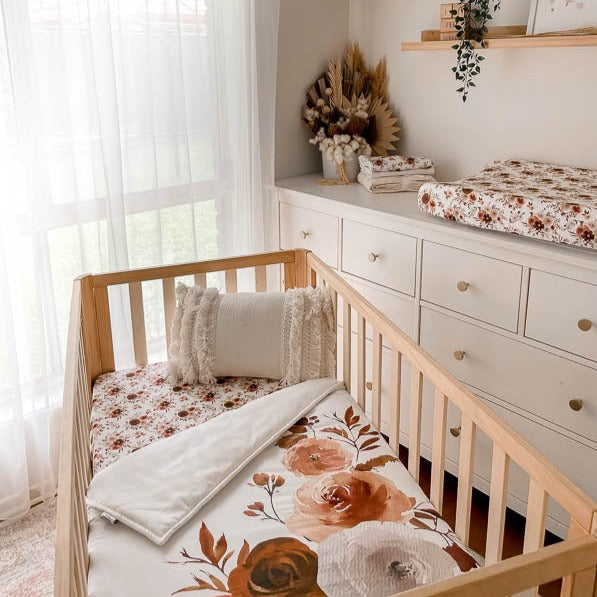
(289, 336)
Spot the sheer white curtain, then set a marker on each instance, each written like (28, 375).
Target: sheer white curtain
(132, 133)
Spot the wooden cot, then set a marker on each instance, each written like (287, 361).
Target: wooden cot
(90, 353)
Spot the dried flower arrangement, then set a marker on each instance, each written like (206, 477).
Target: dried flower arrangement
(347, 109)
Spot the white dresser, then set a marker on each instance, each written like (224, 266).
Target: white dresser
(513, 318)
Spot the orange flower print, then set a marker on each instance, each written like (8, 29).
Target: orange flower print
(281, 567)
(315, 456)
(329, 503)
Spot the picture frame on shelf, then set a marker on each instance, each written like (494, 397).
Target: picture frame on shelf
(558, 16)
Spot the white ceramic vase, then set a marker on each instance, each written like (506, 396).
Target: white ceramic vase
(330, 170)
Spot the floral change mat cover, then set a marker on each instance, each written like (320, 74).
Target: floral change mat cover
(325, 510)
(544, 201)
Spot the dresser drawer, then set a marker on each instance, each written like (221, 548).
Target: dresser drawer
(302, 228)
(532, 379)
(563, 313)
(480, 287)
(571, 457)
(397, 308)
(379, 255)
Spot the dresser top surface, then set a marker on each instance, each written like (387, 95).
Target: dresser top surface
(403, 208)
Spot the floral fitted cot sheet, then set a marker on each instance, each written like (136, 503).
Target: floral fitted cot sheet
(535, 199)
(327, 509)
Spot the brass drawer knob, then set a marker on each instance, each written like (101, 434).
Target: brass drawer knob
(585, 325)
(373, 257)
(455, 431)
(304, 234)
(463, 286)
(369, 385)
(459, 355)
(575, 404)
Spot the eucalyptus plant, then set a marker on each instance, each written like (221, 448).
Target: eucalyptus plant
(471, 27)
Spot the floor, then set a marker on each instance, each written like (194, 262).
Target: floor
(27, 545)
(27, 553)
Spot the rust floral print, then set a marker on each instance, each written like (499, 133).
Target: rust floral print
(328, 510)
(330, 503)
(544, 201)
(311, 456)
(136, 407)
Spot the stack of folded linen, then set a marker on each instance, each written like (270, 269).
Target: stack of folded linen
(395, 174)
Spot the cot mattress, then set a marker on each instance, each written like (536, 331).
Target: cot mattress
(135, 407)
(326, 509)
(539, 200)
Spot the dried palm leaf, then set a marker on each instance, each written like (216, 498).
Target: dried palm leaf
(354, 57)
(334, 76)
(380, 80)
(384, 138)
(317, 91)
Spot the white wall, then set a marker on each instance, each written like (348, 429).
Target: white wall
(539, 103)
(311, 32)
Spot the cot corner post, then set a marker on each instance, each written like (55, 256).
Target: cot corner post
(89, 326)
(585, 582)
(301, 267)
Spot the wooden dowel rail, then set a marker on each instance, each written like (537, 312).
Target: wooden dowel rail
(498, 496)
(169, 294)
(361, 361)
(376, 360)
(395, 401)
(414, 426)
(438, 454)
(138, 323)
(465, 478)
(261, 278)
(200, 279)
(346, 345)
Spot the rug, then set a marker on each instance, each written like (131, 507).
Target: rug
(27, 553)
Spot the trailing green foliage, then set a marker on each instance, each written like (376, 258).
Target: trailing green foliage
(471, 26)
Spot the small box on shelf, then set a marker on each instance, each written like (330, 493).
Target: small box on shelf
(447, 29)
(445, 10)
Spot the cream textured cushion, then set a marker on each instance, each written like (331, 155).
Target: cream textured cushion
(288, 336)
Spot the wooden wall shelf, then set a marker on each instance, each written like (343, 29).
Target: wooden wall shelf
(539, 41)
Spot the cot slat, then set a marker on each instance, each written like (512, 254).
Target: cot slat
(395, 396)
(104, 327)
(261, 278)
(169, 294)
(346, 345)
(534, 531)
(200, 279)
(498, 496)
(361, 364)
(231, 281)
(465, 478)
(138, 322)
(376, 380)
(438, 454)
(414, 427)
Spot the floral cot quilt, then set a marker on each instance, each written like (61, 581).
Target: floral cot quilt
(326, 509)
(535, 199)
